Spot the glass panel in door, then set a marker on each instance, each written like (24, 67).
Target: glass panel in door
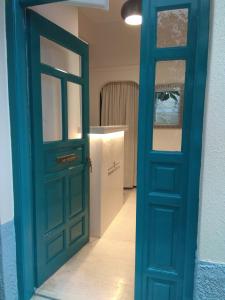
(168, 106)
(51, 108)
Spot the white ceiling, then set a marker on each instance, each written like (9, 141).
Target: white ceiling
(103, 16)
(112, 42)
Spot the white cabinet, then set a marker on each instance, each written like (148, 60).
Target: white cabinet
(106, 189)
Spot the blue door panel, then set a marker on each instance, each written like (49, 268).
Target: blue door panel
(164, 253)
(55, 246)
(165, 178)
(163, 290)
(61, 171)
(158, 289)
(76, 200)
(54, 203)
(76, 231)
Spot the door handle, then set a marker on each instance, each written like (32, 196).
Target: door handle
(67, 158)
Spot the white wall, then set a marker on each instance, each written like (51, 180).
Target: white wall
(6, 181)
(212, 205)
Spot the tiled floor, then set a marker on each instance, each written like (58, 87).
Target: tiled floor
(103, 269)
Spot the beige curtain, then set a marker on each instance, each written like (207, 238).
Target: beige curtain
(119, 106)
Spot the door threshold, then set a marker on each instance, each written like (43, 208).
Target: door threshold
(39, 296)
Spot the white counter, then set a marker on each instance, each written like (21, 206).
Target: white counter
(106, 192)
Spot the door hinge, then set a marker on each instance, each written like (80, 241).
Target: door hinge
(89, 161)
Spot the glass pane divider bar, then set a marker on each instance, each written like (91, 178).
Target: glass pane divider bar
(66, 144)
(171, 156)
(64, 109)
(29, 3)
(171, 4)
(172, 53)
(48, 70)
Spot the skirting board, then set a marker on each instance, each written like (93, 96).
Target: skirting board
(209, 281)
(8, 272)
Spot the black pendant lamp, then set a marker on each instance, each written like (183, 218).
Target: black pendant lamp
(131, 12)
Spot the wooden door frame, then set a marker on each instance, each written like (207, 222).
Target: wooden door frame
(21, 138)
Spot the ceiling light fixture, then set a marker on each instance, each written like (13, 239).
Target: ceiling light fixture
(131, 12)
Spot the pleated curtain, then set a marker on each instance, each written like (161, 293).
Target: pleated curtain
(119, 106)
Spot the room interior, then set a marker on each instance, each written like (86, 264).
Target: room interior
(105, 267)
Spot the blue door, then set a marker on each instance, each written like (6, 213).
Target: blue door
(59, 104)
(173, 72)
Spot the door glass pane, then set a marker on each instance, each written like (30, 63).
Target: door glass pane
(51, 108)
(74, 94)
(168, 106)
(59, 57)
(172, 28)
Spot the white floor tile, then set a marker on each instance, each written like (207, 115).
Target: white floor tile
(104, 268)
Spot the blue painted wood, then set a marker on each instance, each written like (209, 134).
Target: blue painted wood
(196, 141)
(61, 190)
(168, 182)
(21, 148)
(48, 70)
(29, 3)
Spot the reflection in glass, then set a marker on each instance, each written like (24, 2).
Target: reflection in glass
(172, 28)
(51, 108)
(168, 106)
(54, 55)
(74, 96)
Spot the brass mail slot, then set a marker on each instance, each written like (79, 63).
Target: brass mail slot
(66, 158)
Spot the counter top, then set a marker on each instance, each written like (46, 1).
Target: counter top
(107, 129)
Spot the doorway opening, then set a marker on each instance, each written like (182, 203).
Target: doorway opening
(168, 180)
(105, 267)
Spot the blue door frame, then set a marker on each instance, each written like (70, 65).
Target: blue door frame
(21, 139)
